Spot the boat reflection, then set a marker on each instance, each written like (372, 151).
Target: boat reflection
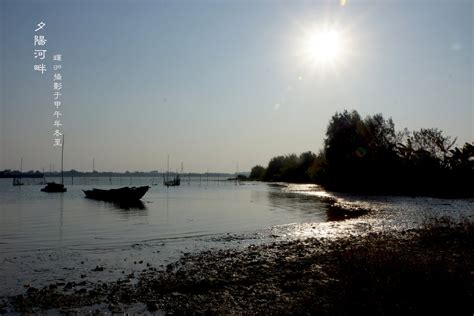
(121, 205)
(129, 205)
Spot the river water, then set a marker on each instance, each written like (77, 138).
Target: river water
(46, 238)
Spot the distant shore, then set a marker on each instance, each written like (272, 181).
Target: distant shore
(429, 270)
(75, 173)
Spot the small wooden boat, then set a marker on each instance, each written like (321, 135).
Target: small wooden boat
(125, 194)
(53, 187)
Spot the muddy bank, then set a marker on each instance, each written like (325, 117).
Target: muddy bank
(428, 270)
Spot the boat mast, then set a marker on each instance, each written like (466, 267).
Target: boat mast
(21, 171)
(62, 158)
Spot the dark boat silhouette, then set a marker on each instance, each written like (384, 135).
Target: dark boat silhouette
(16, 180)
(52, 187)
(174, 182)
(125, 194)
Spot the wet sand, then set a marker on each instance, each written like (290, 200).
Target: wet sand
(428, 270)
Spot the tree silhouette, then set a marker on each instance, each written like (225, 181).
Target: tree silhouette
(368, 155)
(257, 173)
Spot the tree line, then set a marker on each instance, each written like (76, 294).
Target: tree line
(367, 155)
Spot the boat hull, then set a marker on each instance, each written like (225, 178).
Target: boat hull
(54, 188)
(173, 183)
(124, 194)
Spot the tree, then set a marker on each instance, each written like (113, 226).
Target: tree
(318, 170)
(357, 152)
(432, 141)
(462, 159)
(368, 155)
(257, 173)
(273, 171)
(289, 168)
(343, 137)
(379, 135)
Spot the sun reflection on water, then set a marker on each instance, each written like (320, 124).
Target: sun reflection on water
(384, 213)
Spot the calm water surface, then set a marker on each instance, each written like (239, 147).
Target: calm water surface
(49, 237)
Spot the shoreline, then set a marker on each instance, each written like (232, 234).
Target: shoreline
(425, 270)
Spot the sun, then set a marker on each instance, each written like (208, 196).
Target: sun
(323, 46)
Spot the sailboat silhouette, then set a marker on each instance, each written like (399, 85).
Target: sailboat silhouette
(53, 187)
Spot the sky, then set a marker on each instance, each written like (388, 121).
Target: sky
(216, 84)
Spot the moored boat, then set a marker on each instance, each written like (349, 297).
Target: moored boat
(53, 187)
(124, 194)
(174, 182)
(17, 181)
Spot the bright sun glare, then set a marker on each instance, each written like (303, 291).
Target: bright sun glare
(323, 46)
